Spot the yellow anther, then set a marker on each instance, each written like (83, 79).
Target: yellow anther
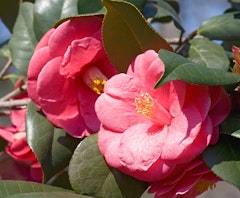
(98, 85)
(144, 105)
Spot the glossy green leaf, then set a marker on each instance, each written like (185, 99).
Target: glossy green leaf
(48, 195)
(8, 188)
(23, 40)
(179, 68)
(96, 6)
(209, 54)
(127, 34)
(93, 6)
(89, 173)
(222, 27)
(231, 125)
(224, 159)
(52, 146)
(47, 13)
(162, 9)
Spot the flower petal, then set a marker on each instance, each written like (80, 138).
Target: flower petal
(58, 99)
(182, 132)
(35, 66)
(220, 106)
(121, 107)
(81, 53)
(73, 29)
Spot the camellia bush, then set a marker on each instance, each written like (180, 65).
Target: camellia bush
(96, 103)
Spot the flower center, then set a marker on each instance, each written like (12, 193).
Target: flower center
(98, 85)
(149, 108)
(144, 105)
(95, 79)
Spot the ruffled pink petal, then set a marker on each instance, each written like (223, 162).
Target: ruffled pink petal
(18, 119)
(220, 107)
(58, 99)
(7, 133)
(79, 54)
(182, 132)
(74, 29)
(199, 96)
(171, 96)
(87, 99)
(38, 61)
(147, 67)
(140, 152)
(19, 150)
(36, 171)
(183, 182)
(121, 106)
(44, 40)
(108, 143)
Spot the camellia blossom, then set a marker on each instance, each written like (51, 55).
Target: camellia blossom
(18, 147)
(67, 73)
(187, 181)
(147, 133)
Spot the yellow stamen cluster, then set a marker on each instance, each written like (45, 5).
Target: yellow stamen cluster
(98, 85)
(144, 105)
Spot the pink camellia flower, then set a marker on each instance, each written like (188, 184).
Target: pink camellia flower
(147, 133)
(187, 181)
(18, 147)
(67, 73)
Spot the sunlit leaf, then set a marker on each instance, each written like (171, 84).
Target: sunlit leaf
(161, 9)
(222, 27)
(179, 68)
(209, 54)
(47, 13)
(224, 159)
(52, 146)
(8, 188)
(89, 173)
(23, 40)
(48, 195)
(127, 34)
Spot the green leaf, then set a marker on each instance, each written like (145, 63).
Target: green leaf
(86, 6)
(224, 159)
(47, 13)
(162, 10)
(179, 68)
(52, 146)
(231, 125)
(23, 40)
(127, 34)
(8, 188)
(48, 195)
(89, 173)
(222, 27)
(209, 54)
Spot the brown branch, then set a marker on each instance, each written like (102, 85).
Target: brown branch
(5, 68)
(14, 103)
(189, 37)
(14, 93)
